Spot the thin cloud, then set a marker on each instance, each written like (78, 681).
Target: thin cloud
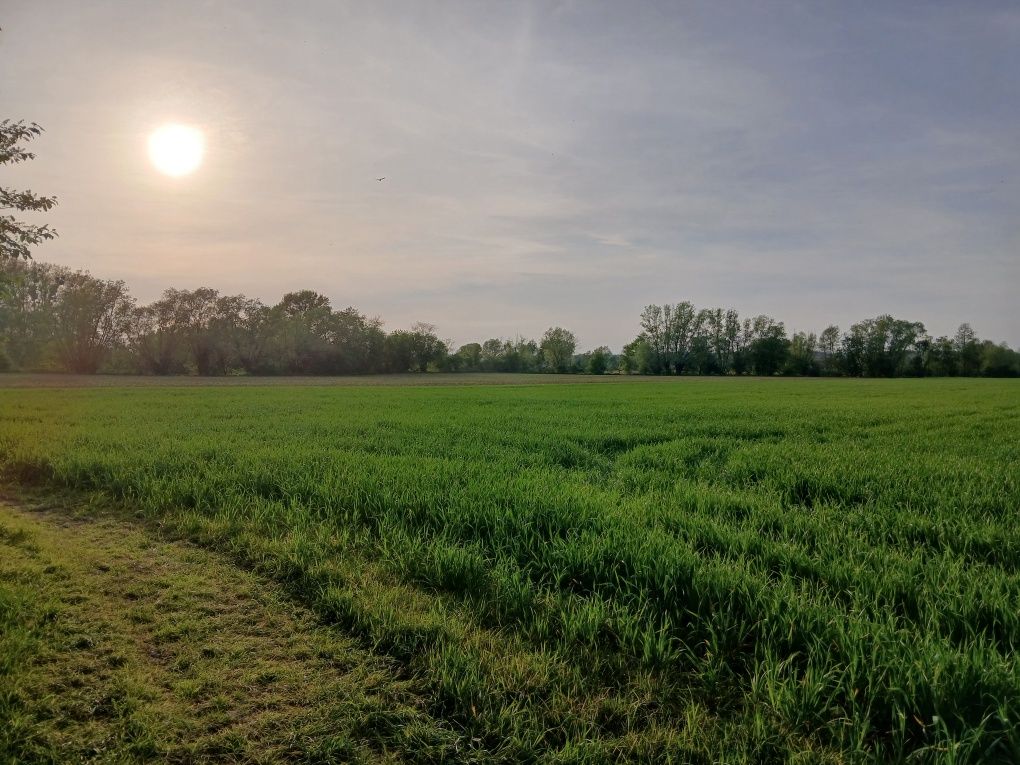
(576, 160)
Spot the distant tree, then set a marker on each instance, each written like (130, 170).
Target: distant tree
(309, 306)
(637, 357)
(942, 359)
(968, 351)
(27, 310)
(767, 346)
(303, 333)
(881, 347)
(701, 359)
(918, 363)
(426, 347)
(17, 237)
(742, 348)
(901, 342)
(558, 346)
(398, 350)
(154, 336)
(186, 329)
(245, 328)
(598, 360)
(715, 347)
(999, 360)
(800, 359)
(517, 355)
(507, 359)
(357, 342)
(627, 363)
(200, 313)
(655, 332)
(491, 354)
(470, 356)
(92, 318)
(414, 350)
(851, 354)
(828, 346)
(670, 331)
(525, 354)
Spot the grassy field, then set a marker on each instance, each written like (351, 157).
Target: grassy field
(725, 570)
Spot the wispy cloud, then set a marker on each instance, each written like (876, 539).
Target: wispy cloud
(545, 163)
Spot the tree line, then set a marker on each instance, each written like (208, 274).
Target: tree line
(53, 318)
(56, 319)
(679, 339)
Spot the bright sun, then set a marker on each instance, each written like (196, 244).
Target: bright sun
(176, 149)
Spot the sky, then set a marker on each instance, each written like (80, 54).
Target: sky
(546, 163)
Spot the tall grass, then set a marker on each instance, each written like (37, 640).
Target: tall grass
(708, 571)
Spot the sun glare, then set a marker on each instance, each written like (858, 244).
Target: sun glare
(176, 149)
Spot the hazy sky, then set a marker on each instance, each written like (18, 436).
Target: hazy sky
(547, 162)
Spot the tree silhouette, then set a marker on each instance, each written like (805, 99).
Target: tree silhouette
(17, 237)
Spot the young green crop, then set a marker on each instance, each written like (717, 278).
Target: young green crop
(703, 570)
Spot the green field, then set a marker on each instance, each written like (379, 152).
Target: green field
(698, 570)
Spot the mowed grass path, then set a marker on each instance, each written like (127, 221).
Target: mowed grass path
(119, 645)
(704, 570)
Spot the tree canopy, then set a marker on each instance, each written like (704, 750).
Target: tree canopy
(17, 237)
(53, 318)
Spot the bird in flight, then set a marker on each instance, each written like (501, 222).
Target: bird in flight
(381, 179)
